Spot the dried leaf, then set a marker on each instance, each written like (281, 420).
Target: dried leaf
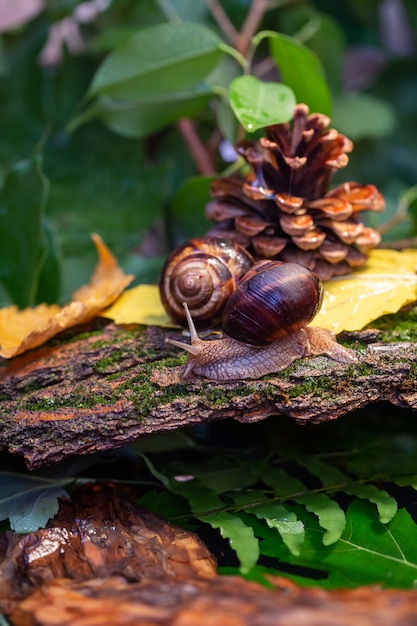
(23, 330)
(388, 282)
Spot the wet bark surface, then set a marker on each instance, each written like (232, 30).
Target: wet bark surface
(100, 389)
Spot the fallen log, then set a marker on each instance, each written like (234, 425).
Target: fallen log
(100, 388)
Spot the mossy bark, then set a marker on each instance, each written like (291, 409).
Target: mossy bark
(101, 389)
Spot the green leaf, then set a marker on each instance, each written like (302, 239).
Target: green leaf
(360, 115)
(29, 501)
(367, 553)
(257, 104)
(329, 513)
(331, 517)
(301, 70)
(166, 503)
(204, 500)
(159, 60)
(277, 516)
(242, 538)
(370, 552)
(410, 480)
(187, 207)
(386, 504)
(136, 118)
(335, 480)
(23, 250)
(50, 275)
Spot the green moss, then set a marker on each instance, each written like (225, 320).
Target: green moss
(102, 365)
(401, 326)
(77, 400)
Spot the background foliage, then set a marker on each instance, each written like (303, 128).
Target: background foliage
(125, 169)
(102, 134)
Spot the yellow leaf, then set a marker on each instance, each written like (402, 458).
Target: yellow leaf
(140, 305)
(387, 283)
(23, 330)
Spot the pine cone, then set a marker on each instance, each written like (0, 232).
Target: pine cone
(283, 208)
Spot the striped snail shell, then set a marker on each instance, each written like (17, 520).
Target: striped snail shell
(272, 300)
(203, 273)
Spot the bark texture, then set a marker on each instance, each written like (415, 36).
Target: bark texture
(101, 389)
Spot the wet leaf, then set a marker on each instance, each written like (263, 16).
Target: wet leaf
(290, 528)
(23, 330)
(258, 104)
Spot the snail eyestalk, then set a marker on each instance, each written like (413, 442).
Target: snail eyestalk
(191, 348)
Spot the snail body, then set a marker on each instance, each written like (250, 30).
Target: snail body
(228, 359)
(265, 324)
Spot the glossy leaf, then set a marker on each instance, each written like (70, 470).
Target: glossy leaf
(257, 104)
(204, 502)
(301, 70)
(330, 515)
(367, 553)
(24, 247)
(278, 517)
(159, 60)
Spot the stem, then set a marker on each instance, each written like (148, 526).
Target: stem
(401, 213)
(250, 26)
(199, 152)
(240, 40)
(222, 20)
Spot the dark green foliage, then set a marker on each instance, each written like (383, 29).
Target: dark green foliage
(327, 506)
(146, 65)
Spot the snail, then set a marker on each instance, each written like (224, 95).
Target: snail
(265, 324)
(204, 273)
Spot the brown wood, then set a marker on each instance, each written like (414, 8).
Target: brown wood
(92, 391)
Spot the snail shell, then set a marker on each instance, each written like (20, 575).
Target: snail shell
(203, 273)
(273, 300)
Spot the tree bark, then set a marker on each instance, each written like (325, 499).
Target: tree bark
(101, 389)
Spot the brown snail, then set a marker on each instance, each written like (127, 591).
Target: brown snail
(203, 272)
(265, 324)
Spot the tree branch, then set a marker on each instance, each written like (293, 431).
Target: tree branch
(199, 152)
(104, 390)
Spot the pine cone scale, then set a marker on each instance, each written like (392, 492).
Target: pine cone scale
(284, 209)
